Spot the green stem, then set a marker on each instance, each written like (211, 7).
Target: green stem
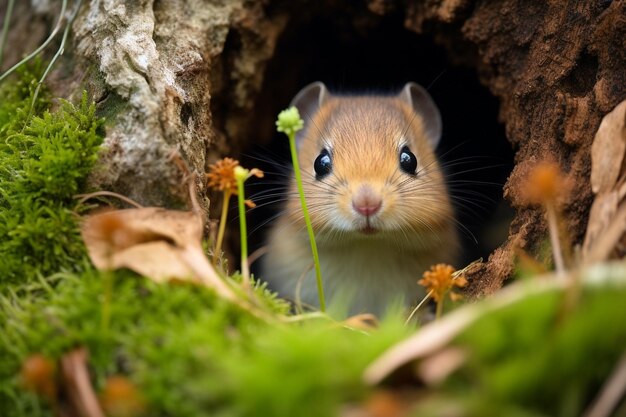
(107, 277)
(5, 29)
(243, 230)
(56, 56)
(307, 219)
(220, 234)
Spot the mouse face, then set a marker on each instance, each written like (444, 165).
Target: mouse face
(376, 197)
(368, 165)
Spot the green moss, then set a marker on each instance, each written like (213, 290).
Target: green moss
(43, 162)
(531, 357)
(111, 107)
(190, 353)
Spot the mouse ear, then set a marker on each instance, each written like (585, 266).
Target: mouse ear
(308, 101)
(423, 104)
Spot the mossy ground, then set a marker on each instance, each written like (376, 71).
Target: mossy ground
(191, 353)
(44, 161)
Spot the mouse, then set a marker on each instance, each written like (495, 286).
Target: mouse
(377, 198)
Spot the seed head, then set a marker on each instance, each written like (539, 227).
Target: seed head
(545, 183)
(120, 398)
(439, 279)
(289, 121)
(38, 375)
(221, 175)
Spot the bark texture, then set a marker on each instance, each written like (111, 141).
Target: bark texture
(183, 77)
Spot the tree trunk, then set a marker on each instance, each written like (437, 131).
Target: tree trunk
(203, 78)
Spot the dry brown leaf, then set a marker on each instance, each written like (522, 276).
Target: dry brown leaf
(435, 369)
(364, 322)
(608, 149)
(158, 260)
(80, 394)
(609, 240)
(160, 244)
(606, 219)
(600, 218)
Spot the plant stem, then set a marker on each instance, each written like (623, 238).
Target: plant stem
(439, 310)
(217, 251)
(5, 28)
(42, 46)
(307, 219)
(243, 230)
(553, 227)
(58, 53)
(107, 278)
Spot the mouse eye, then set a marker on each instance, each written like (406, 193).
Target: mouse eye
(322, 165)
(408, 161)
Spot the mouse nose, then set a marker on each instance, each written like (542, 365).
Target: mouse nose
(367, 202)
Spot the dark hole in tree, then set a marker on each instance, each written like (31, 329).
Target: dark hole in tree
(378, 55)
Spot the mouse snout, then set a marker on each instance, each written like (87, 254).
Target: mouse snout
(366, 201)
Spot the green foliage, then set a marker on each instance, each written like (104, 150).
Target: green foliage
(43, 163)
(190, 353)
(17, 98)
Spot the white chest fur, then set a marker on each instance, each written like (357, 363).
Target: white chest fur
(369, 273)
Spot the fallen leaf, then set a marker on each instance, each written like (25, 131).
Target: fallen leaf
(607, 221)
(435, 369)
(364, 322)
(157, 243)
(608, 149)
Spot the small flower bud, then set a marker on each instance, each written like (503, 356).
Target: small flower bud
(289, 121)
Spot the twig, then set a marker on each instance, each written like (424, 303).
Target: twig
(85, 197)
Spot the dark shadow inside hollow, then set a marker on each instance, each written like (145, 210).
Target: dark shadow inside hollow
(376, 54)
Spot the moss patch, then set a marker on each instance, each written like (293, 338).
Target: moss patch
(190, 353)
(43, 163)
